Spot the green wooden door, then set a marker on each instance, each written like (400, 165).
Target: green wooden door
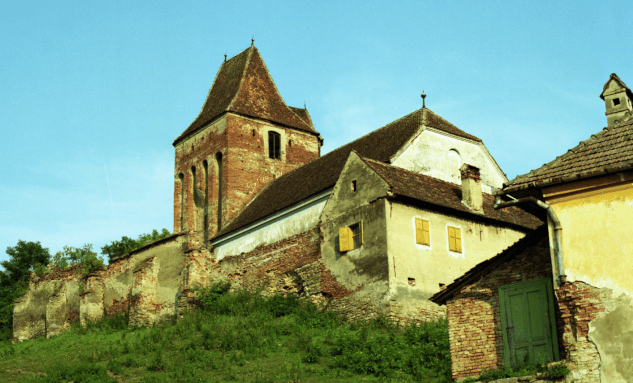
(527, 320)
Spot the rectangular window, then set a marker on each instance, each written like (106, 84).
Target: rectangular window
(274, 145)
(454, 239)
(350, 237)
(422, 236)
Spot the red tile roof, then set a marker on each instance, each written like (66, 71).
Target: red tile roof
(538, 240)
(433, 191)
(244, 86)
(607, 151)
(321, 174)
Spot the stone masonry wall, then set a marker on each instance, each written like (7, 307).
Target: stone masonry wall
(474, 314)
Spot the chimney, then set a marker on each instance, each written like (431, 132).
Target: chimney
(471, 188)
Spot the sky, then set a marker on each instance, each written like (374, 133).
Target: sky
(92, 94)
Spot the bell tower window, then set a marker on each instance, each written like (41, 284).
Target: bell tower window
(274, 145)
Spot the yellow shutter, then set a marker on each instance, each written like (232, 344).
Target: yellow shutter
(422, 232)
(454, 239)
(458, 240)
(451, 239)
(427, 236)
(346, 241)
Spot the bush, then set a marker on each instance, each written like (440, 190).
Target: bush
(83, 256)
(126, 244)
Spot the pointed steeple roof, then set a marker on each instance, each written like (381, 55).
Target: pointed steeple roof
(244, 86)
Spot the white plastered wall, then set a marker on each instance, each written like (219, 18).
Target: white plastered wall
(284, 224)
(440, 155)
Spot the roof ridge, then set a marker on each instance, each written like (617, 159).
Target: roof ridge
(279, 94)
(239, 87)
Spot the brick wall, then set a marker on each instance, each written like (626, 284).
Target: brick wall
(246, 168)
(474, 314)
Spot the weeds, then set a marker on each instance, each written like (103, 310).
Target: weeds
(287, 338)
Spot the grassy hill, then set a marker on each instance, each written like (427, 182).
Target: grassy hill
(236, 337)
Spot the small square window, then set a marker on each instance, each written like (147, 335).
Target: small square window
(411, 281)
(454, 239)
(616, 101)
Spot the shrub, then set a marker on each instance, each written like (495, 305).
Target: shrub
(126, 244)
(83, 256)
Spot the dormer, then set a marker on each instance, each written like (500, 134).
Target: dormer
(617, 99)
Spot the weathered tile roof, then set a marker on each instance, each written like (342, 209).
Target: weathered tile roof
(432, 120)
(607, 151)
(244, 86)
(440, 193)
(537, 238)
(321, 174)
(303, 114)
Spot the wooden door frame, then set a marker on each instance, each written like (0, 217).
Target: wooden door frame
(551, 314)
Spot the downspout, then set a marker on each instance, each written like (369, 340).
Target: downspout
(558, 245)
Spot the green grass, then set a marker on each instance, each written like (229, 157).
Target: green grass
(236, 337)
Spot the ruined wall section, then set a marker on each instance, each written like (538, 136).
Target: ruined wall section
(49, 306)
(144, 284)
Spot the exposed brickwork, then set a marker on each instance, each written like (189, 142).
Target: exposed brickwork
(474, 314)
(416, 311)
(246, 168)
(580, 304)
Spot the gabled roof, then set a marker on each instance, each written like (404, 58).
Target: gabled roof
(615, 78)
(444, 194)
(607, 151)
(432, 120)
(322, 173)
(244, 86)
(538, 240)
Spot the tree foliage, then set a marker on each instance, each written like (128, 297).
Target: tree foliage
(25, 257)
(127, 244)
(88, 260)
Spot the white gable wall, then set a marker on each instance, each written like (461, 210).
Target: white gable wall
(438, 154)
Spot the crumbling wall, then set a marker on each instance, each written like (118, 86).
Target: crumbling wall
(597, 333)
(49, 306)
(143, 284)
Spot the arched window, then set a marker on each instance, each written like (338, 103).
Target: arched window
(454, 162)
(205, 168)
(218, 161)
(274, 145)
(193, 197)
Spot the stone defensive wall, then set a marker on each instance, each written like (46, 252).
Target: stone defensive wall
(153, 284)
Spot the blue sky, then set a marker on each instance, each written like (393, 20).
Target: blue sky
(93, 94)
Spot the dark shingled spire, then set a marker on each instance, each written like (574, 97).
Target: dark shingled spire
(244, 86)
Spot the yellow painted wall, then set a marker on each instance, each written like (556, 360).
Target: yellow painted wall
(435, 264)
(598, 235)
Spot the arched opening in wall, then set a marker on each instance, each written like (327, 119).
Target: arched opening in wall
(193, 198)
(205, 170)
(181, 177)
(274, 145)
(454, 163)
(218, 163)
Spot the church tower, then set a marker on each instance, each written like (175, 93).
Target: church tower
(244, 137)
(617, 98)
